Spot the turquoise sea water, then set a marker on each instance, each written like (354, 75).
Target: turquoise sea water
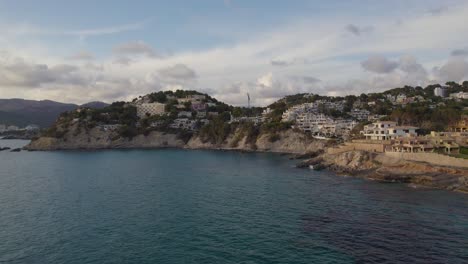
(176, 206)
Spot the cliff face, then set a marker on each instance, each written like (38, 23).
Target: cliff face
(96, 138)
(287, 142)
(76, 138)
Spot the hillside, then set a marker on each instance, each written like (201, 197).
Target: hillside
(204, 121)
(407, 105)
(20, 112)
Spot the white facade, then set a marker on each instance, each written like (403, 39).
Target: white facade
(254, 119)
(184, 114)
(32, 127)
(150, 109)
(386, 130)
(310, 122)
(289, 115)
(184, 123)
(400, 98)
(441, 92)
(360, 114)
(324, 125)
(266, 111)
(460, 95)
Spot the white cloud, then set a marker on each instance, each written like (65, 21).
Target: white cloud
(27, 29)
(356, 30)
(320, 56)
(135, 48)
(178, 72)
(81, 55)
(460, 52)
(379, 64)
(456, 69)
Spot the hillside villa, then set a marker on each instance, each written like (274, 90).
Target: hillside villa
(387, 130)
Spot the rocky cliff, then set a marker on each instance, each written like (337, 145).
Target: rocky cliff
(96, 138)
(76, 138)
(287, 141)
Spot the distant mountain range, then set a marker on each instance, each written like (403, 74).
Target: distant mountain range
(20, 112)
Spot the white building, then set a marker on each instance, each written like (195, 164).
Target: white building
(360, 114)
(150, 109)
(292, 113)
(254, 119)
(289, 115)
(440, 91)
(400, 98)
(310, 122)
(266, 111)
(32, 127)
(12, 128)
(324, 125)
(183, 123)
(386, 130)
(344, 126)
(460, 95)
(184, 114)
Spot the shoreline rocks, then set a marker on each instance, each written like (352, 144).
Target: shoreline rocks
(378, 167)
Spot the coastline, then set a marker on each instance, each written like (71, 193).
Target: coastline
(355, 163)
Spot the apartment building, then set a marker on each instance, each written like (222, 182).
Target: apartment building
(150, 109)
(387, 130)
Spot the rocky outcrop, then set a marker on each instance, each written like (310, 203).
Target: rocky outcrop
(96, 138)
(290, 142)
(383, 168)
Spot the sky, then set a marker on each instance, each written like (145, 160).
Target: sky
(81, 51)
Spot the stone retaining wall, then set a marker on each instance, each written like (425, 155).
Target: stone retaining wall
(432, 158)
